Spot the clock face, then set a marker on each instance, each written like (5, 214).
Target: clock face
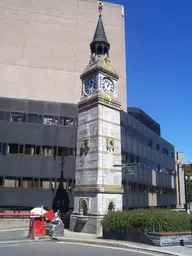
(107, 85)
(90, 86)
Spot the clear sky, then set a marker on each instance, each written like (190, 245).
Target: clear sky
(159, 65)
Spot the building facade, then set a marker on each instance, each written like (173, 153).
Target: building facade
(153, 182)
(37, 160)
(37, 154)
(45, 44)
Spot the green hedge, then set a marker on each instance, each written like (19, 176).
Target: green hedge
(155, 220)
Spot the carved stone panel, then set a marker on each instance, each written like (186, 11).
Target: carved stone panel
(110, 144)
(84, 147)
(84, 206)
(111, 206)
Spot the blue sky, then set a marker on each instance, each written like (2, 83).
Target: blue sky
(159, 65)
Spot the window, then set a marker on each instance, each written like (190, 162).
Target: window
(18, 182)
(37, 150)
(1, 181)
(34, 118)
(2, 115)
(17, 117)
(68, 121)
(29, 149)
(165, 151)
(132, 159)
(150, 143)
(9, 182)
(63, 151)
(27, 182)
(47, 151)
(36, 183)
(123, 157)
(158, 147)
(13, 148)
(62, 121)
(45, 183)
(21, 149)
(52, 151)
(137, 159)
(71, 151)
(50, 120)
(3, 148)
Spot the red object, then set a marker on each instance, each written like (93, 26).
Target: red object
(16, 214)
(37, 227)
(49, 215)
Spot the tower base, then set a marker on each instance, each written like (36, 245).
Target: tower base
(88, 224)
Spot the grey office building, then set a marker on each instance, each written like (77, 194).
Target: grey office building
(38, 149)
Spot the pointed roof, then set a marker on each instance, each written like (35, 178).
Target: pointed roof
(100, 35)
(100, 63)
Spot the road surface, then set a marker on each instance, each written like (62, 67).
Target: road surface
(60, 249)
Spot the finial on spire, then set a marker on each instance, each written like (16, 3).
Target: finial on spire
(100, 7)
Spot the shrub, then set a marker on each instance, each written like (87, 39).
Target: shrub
(156, 220)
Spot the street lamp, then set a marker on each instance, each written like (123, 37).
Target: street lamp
(128, 172)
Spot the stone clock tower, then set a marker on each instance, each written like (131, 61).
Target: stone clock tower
(98, 186)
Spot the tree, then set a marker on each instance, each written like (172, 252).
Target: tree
(188, 173)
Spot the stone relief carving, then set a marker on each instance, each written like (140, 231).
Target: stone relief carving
(111, 206)
(110, 144)
(84, 206)
(84, 148)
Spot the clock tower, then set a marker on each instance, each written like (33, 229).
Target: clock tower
(98, 184)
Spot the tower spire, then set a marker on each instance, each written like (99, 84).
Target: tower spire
(100, 44)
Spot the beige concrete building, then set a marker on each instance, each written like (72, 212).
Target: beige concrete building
(44, 47)
(180, 179)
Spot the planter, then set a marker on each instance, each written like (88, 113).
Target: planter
(150, 238)
(170, 238)
(131, 234)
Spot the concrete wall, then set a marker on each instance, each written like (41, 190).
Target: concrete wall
(44, 47)
(6, 224)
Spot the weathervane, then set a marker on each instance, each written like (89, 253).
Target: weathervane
(100, 7)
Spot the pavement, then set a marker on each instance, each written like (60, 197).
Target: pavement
(90, 240)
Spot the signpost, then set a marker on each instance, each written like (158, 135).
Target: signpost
(129, 167)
